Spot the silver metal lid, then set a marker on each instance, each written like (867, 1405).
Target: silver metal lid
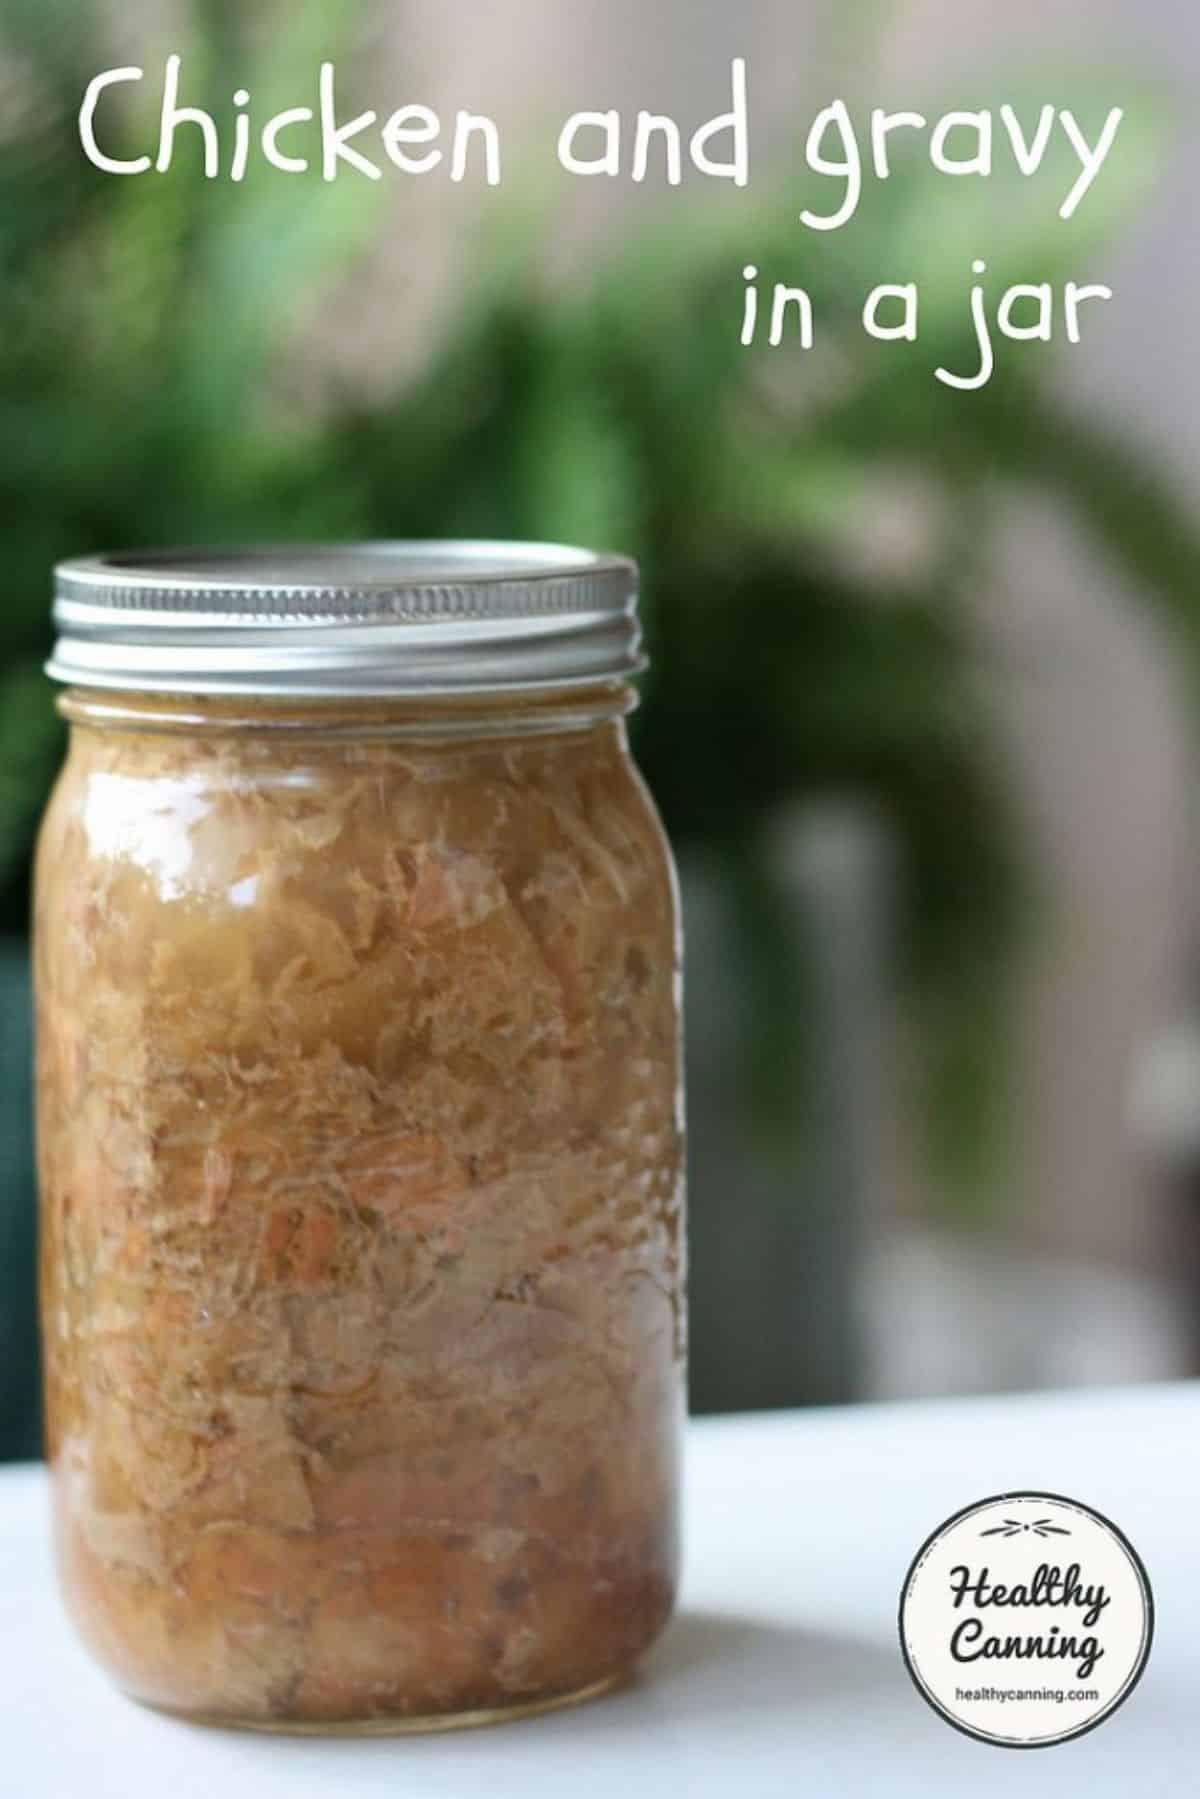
(364, 619)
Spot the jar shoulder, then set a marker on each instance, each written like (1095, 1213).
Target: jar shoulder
(323, 880)
(195, 816)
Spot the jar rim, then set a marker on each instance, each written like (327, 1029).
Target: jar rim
(406, 617)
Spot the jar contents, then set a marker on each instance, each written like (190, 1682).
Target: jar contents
(360, 1151)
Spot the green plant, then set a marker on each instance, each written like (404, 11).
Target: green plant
(147, 330)
(141, 325)
(623, 409)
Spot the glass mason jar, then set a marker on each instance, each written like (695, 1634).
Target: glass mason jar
(360, 1135)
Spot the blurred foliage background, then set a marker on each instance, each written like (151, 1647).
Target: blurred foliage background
(157, 386)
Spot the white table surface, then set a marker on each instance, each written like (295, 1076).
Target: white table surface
(781, 1674)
